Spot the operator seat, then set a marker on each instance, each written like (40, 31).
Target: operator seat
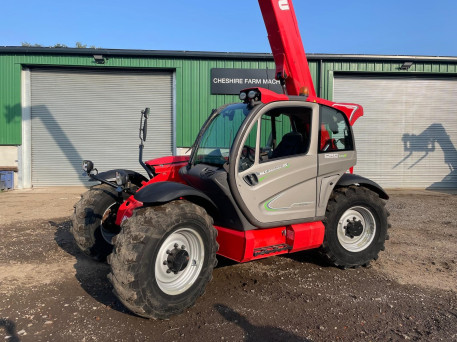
(291, 144)
(327, 142)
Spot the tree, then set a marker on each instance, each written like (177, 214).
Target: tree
(30, 45)
(78, 45)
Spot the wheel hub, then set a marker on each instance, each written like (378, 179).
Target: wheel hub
(354, 228)
(177, 260)
(108, 226)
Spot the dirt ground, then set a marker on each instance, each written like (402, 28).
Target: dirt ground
(49, 291)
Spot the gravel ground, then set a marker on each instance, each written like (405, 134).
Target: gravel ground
(49, 291)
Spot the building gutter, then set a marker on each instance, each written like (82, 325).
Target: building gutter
(212, 55)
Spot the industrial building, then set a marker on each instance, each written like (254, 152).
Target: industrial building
(59, 106)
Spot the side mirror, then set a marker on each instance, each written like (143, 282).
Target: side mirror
(144, 128)
(146, 112)
(88, 166)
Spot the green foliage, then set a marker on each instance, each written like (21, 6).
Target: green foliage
(30, 45)
(78, 45)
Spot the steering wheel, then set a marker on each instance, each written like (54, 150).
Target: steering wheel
(247, 157)
(248, 152)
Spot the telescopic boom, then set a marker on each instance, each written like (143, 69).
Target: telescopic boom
(292, 68)
(291, 64)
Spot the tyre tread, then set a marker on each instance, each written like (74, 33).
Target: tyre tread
(83, 219)
(339, 197)
(147, 226)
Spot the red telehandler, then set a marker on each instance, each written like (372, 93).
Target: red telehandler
(266, 176)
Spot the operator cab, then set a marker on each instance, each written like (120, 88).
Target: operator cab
(258, 160)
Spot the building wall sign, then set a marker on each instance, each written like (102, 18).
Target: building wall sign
(231, 81)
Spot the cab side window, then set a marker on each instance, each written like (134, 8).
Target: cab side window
(284, 133)
(247, 157)
(334, 131)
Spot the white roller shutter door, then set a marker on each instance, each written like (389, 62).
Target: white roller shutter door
(407, 137)
(94, 114)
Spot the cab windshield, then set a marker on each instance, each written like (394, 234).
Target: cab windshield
(216, 141)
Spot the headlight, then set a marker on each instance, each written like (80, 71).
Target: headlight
(242, 96)
(121, 178)
(88, 166)
(252, 94)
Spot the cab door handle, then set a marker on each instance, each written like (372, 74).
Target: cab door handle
(251, 179)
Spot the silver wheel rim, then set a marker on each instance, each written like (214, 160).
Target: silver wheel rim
(106, 234)
(362, 241)
(169, 282)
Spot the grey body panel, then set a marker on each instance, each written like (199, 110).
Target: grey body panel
(212, 181)
(332, 166)
(286, 191)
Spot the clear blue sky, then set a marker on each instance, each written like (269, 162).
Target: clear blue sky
(392, 27)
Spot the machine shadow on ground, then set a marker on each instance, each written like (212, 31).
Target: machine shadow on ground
(91, 274)
(311, 256)
(256, 332)
(9, 328)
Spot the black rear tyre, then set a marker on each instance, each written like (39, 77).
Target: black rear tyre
(93, 220)
(355, 227)
(163, 258)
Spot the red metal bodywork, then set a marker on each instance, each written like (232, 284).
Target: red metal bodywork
(242, 246)
(290, 58)
(351, 110)
(286, 45)
(166, 169)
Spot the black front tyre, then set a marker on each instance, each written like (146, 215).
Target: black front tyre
(93, 221)
(163, 258)
(355, 227)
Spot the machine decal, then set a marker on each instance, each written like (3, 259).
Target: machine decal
(267, 172)
(283, 5)
(334, 155)
(268, 205)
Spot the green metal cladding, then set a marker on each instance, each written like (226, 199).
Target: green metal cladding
(194, 101)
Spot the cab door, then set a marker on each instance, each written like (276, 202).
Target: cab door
(336, 154)
(273, 164)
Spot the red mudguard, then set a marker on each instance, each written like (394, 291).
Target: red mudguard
(166, 169)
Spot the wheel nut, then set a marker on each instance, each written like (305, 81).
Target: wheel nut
(168, 251)
(176, 245)
(165, 262)
(168, 271)
(183, 247)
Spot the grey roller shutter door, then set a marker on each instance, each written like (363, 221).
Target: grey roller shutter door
(94, 114)
(407, 137)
